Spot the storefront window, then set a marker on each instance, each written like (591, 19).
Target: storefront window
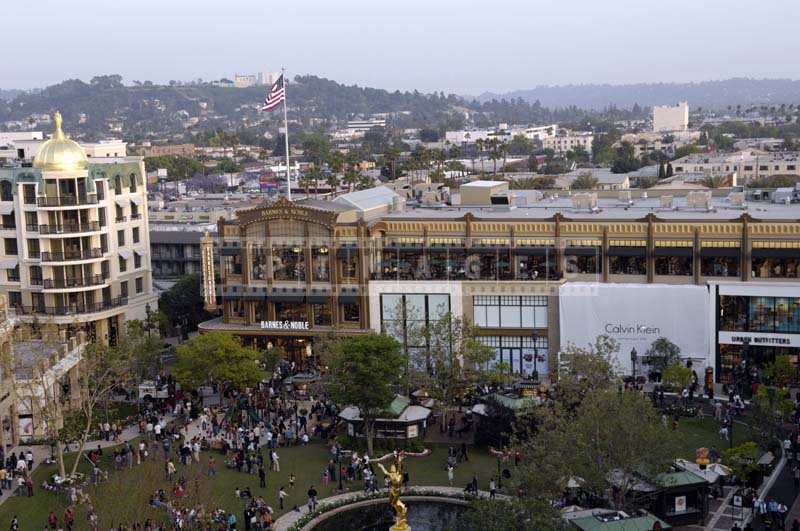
(674, 265)
(260, 311)
(235, 308)
(232, 265)
(719, 266)
(405, 317)
(322, 314)
(351, 313)
(627, 265)
(447, 264)
(519, 354)
(776, 268)
(779, 315)
(536, 267)
(321, 264)
(288, 263)
(258, 267)
(290, 311)
(733, 313)
(584, 264)
(348, 261)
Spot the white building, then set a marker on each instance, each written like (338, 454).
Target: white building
(746, 164)
(244, 80)
(75, 239)
(671, 118)
(570, 141)
(502, 132)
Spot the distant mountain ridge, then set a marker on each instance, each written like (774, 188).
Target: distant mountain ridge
(706, 94)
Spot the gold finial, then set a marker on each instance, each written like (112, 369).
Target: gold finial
(58, 133)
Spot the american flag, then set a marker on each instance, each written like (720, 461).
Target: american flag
(276, 95)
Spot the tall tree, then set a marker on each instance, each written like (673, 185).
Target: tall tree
(365, 371)
(219, 358)
(183, 303)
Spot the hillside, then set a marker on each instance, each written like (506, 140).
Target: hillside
(706, 94)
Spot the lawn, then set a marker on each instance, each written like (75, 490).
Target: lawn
(124, 497)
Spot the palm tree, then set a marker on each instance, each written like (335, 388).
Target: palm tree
(351, 177)
(306, 180)
(504, 153)
(333, 183)
(479, 146)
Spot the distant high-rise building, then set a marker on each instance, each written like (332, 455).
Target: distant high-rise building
(671, 117)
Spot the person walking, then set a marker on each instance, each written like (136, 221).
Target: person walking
(276, 465)
(492, 488)
(262, 477)
(450, 475)
(281, 496)
(312, 499)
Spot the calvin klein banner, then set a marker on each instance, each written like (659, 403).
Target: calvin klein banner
(636, 315)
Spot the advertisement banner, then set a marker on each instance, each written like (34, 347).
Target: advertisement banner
(636, 315)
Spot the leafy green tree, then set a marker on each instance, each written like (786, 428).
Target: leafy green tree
(182, 304)
(511, 515)
(365, 371)
(677, 376)
(662, 353)
(217, 358)
(228, 165)
(743, 459)
(682, 151)
(713, 181)
(584, 369)
(585, 181)
(520, 145)
(316, 148)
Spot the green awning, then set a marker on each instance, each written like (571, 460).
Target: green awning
(398, 405)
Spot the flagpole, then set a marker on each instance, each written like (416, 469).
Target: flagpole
(286, 138)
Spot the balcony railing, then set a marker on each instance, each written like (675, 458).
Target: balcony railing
(67, 256)
(8, 226)
(121, 219)
(32, 227)
(67, 200)
(69, 228)
(72, 309)
(135, 217)
(66, 283)
(13, 277)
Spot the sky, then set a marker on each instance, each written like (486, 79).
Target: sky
(461, 46)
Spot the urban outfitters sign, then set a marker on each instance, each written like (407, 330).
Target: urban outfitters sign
(635, 315)
(284, 325)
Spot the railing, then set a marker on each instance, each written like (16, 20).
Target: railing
(36, 281)
(8, 226)
(69, 228)
(58, 256)
(121, 219)
(72, 309)
(66, 283)
(13, 277)
(67, 200)
(135, 217)
(32, 227)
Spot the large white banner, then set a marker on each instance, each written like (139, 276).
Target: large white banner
(636, 315)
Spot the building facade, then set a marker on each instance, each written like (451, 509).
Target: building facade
(671, 117)
(76, 247)
(569, 141)
(297, 270)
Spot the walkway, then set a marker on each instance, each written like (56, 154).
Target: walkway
(288, 520)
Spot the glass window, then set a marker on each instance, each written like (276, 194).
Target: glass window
(288, 263)
(258, 266)
(320, 257)
(733, 313)
(776, 268)
(121, 238)
(123, 265)
(351, 313)
(10, 246)
(719, 266)
(137, 260)
(673, 265)
(136, 235)
(349, 264)
(627, 265)
(510, 311)
(123, 288)
(139, 285)
(235, 308)
(291, 311)
(232, 265)
(761, 314)
(322, 314)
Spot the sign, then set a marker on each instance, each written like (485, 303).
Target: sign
(737, 501)
(413, 431)
(680, 504)
(635, 315)
(284, 325)
(759, 339)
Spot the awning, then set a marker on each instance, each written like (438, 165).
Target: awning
(673, 251)
(140, 252)
(720, 252)
(534, 251)
(319, 296)
(122, 202)
(775, 253)
(9, 263)
(136, 200)
(125, 253)
(582, 251)
(6, 209)
(287, 295)
(627, 251)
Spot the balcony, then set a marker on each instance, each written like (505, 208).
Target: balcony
(8, 226)
(70, 228)
(66, 200)
(70, 256)
(32, 227)
(72, 309)
(136, 217)
(68, 283)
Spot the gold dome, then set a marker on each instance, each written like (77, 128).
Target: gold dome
(60, 153)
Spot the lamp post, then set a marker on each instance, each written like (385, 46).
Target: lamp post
(147, 312)
(339, 467)
(634, 354)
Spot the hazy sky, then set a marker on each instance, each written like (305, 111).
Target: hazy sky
(464, 46)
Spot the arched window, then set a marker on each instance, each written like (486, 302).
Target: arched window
(118, 184)
(133, 182)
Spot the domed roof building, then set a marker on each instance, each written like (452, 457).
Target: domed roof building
(60, 153)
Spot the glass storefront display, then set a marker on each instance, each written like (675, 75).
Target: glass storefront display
(512, 311)
(520, 354)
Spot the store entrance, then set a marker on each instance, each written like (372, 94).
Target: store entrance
(296, 350)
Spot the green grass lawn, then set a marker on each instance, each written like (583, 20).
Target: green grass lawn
(124, 497)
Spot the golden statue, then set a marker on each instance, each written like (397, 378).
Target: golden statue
(395, 475)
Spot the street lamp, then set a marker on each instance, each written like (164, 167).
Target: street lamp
(633, 365)
(147, 312)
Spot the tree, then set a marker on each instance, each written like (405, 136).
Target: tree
(670, 172)
(713, 181)
(510, 515)
(453, 361)
(662, 353)
(584, 369)
(217, 358)
(182, 304)
(351, 178)
(364, 372)
(677, 376)
(228, 165)
(585, 181)
(333, 182)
